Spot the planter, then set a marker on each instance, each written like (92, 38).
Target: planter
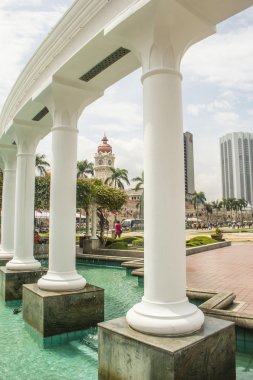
(217, 237)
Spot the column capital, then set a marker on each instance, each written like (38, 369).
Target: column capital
(67, 99)
(27, 135)
(9, 156)
(159, 32)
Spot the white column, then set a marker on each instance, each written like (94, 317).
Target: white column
(94, 223)
(87, 229)
(64, 105)
(27, 138)
(165, 308)
(9, 156)
(160, 44)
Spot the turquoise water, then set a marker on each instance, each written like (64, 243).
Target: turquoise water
(22, 359)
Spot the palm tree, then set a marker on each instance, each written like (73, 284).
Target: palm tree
(226, 205)
(217, 205)
(140, 186)
(84, 167)
(209, 210)
(197, 199)
(234, 206)
(117, 178)
(41, 164)
(242, 204)
(230, 206)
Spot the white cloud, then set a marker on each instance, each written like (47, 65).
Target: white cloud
(126, 113)
(225, 60)
(21, 31)
(226, 118)
(218, 74)
(194, 109)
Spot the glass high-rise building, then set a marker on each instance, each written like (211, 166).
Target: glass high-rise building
(237, 166)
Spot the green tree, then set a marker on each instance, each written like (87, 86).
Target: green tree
(209, 211)
(41, 164)
(234, 206)
(198, 198)
(108, 199)
(140, 186)
(84, 167)
(42, 192)
(226, 205)
(217, 205)
(93, 191)
(117, 178)
(242, 204)
(86, 194)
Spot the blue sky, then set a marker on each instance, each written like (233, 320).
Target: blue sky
(217, 90)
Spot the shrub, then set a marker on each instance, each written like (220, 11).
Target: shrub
(118, 245)
(127, 239)
(109, 241)
(199, 240)
(138, 242)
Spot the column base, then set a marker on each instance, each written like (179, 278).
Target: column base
(61, 282)
(168, 319)
(23, 265)
(11, 282)
(128, 354)
(52, 313)
(5, 254)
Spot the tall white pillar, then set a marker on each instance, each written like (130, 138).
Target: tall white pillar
(26, 138)
(87, 223)
(160, 45)
(65, 103)
(9, 156)
(165, 308)
(94, 223)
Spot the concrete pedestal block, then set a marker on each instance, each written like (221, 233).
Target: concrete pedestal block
(52, 313)
(127, 354)
(90, 244)
(11, 282)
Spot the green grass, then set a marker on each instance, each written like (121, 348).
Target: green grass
(199, 240)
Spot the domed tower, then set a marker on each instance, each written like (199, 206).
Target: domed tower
(104, 160)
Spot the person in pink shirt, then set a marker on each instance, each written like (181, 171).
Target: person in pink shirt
(118, 229)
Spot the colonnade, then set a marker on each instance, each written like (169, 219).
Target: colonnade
(164, 309)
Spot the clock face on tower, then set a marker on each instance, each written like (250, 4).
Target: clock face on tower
(100, 162)
(109, 162)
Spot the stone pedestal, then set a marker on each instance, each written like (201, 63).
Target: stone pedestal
(52, 313)
(127, 354)
(90, 244)
(11, 282)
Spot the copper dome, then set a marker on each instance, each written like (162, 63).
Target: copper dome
(104, 147)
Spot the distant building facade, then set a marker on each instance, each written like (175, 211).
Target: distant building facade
(104, 160)
(236, 150)
(188, 163)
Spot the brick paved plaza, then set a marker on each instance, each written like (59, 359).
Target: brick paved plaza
(225, 269)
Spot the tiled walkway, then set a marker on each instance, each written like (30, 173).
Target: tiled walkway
(224, 269)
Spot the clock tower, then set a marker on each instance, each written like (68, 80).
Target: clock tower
(104, 160)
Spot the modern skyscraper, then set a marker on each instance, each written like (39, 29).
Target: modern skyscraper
(188, 163)
(237, 166)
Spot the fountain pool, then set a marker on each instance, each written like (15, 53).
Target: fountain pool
(22, 359)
